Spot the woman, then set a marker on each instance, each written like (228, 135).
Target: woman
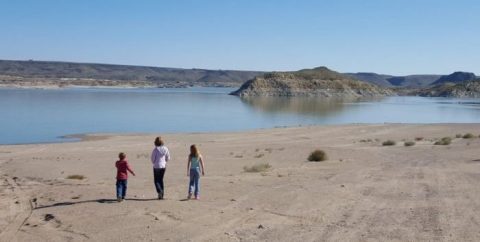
(160, 157)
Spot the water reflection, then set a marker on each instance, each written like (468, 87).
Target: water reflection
(303, 106)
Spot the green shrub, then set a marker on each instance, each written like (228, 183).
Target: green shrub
(257, 168)
(409, 143)
(444, 141)
(389, 143)
(317, 155)
(469, 136)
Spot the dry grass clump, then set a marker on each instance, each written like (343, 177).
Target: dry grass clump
(444, 141)
(76, 177)
(317, 155)
(259, 155)
(468, 136)
(262, 167)
(409, 143)
(389, 143)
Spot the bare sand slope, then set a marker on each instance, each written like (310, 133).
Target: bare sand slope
(364, 192)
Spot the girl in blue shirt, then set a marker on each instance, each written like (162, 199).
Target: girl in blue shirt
(194, 167)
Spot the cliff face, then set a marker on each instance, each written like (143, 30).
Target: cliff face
(318, 82)
(467, 89)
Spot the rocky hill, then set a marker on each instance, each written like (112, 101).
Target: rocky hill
(466, 89)
(66, 73)
(317, 82)
(455, 77)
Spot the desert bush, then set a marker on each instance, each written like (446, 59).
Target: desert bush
(317, 155)
(458, 136)
(409, 143)
(444, 141)
(262, 167)
(419, 138)
(389, 143)
(76, 177)
(468, 136)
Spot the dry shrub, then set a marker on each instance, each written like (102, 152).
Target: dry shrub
(262, 167)
(317, 155)
(389, 143)
(409, 143)
(469, 136)
(444, 141)
(76, 177)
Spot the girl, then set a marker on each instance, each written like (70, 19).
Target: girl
(194, 166)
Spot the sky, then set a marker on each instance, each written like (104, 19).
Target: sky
(397, 37)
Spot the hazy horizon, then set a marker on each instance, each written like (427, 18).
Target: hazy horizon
(394, 37)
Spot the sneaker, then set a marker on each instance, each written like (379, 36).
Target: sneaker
(160, 196)
(197, 197)
(119, 199)
(189, 196)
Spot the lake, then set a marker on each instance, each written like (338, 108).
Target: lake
(35, 116)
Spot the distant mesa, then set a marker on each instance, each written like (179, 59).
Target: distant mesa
(410, 81)
(317, 82)
(54, 73)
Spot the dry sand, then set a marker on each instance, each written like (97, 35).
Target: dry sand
(364, 192)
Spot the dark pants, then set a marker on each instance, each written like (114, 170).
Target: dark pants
(121, 188)
(158, 174)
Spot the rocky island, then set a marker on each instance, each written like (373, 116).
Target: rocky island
(317, 82)
(466, 89)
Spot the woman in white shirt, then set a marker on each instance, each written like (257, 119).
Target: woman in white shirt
(160, 157)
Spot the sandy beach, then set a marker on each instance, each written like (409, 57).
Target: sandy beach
(363, 192)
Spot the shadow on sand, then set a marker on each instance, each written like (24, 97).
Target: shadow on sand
(61, 204)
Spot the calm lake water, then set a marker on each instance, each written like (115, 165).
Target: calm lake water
(33, 116)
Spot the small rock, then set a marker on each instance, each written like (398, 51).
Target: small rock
(260, 226)
(342, 185)
(233, 200)
(17, 202)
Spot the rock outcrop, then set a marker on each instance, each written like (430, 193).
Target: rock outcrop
(466, 89)
(455, 77)
(318, 82)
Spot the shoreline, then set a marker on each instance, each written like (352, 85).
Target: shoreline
(82, 137)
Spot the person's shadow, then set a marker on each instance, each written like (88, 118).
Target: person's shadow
(104, 201)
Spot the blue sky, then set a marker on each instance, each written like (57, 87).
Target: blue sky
(383, 36)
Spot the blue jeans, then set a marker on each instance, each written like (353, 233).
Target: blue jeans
(194, 181)
(121, 188)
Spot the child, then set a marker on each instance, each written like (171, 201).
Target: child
(195, 164)
(122, 176)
